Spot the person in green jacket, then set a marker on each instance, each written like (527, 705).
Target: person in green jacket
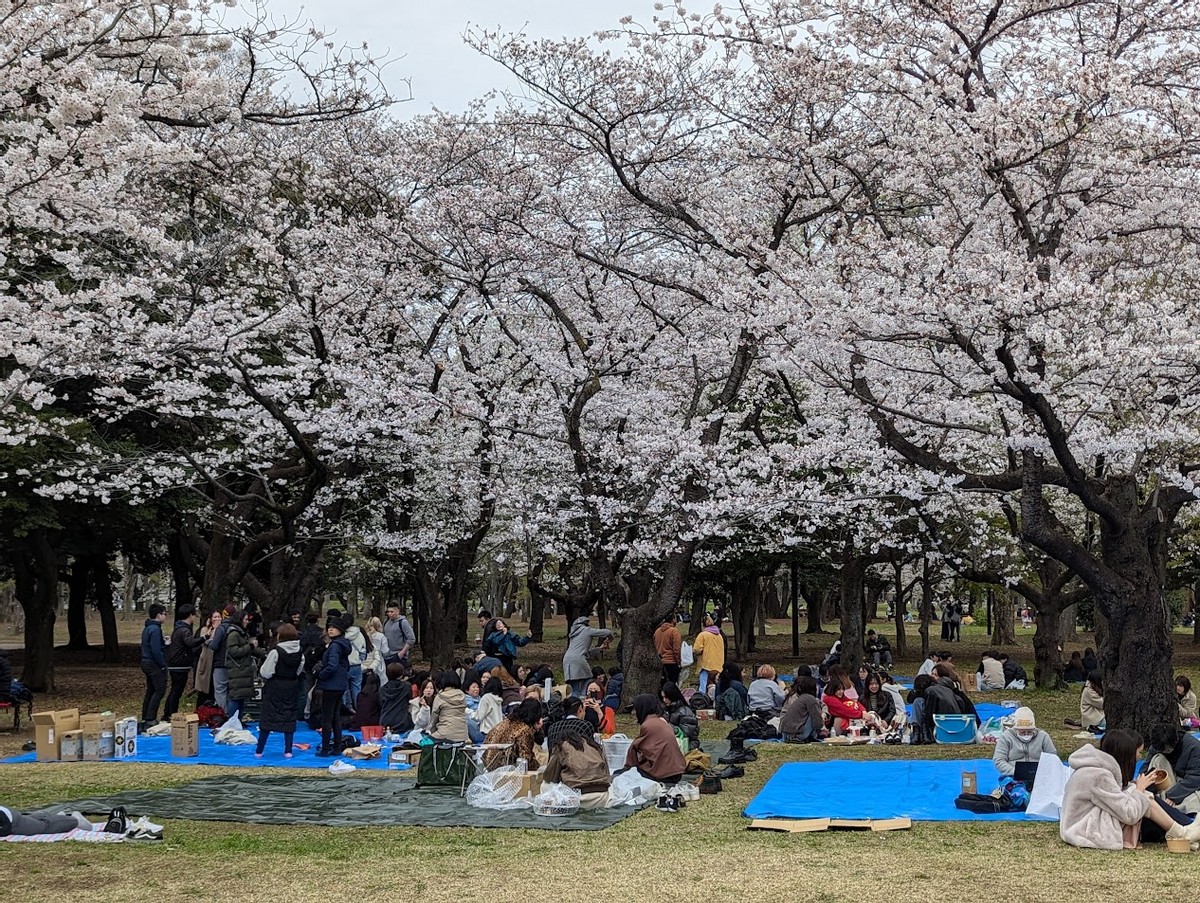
(242, 656)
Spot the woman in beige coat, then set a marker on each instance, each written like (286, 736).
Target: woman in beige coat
(204, 664)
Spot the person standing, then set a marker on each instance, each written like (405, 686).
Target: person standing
(181, 656)
(668, 642)
(577, 671)
(220, 674)
(400, 636)
(240, 654)
(332, 681)
(358, 654)
(505, 643)
(204, 662)
(154, 664)
(280, 673)
(709, 649)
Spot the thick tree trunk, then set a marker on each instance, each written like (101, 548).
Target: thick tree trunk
(794, 592)
(1067, 629)
(645, 610)
(78, 584)
(179, 558)
(537, 614)
(102, 591)
(35, 569)
(814, 603)
(1047, 638)
(851, 582)
(1004, 631)
(742, 595)
(926, 607)
(901, 648)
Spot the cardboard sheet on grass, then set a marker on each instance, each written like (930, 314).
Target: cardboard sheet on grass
(265, 799)
(875, 789)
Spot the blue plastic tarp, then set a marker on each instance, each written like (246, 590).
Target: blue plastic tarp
(920, 790)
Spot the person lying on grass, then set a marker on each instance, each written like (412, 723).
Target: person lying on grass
(1023, 742)
(1106, 808)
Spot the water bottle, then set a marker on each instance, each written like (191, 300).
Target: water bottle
(522, 766)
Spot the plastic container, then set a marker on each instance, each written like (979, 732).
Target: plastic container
(953, 729)
(616, 748)
(372, 733)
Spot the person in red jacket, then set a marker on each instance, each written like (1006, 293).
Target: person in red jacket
(844, 710)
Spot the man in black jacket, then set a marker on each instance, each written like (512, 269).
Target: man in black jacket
(1012, 670)
(182, 653)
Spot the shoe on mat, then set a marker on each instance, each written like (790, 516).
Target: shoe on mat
(325, 752)
(144, 829)
(340, 767)
(118, 822)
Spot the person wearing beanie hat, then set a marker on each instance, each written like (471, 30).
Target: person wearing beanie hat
(1024, 741)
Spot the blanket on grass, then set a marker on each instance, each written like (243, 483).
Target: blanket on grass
(876, 788)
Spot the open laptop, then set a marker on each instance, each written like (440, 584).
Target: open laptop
(1025, 772)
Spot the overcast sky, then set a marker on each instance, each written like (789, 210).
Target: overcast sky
(426, 37)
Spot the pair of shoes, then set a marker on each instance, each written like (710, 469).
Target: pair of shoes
(144, 829)
(668, 803)
(710, 783)
(117, 822)
(738, 757)
(340, 767)
(1071, 722)
(731, 771)
(326, 751)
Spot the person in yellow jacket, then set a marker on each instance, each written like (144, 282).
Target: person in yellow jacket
(709, 650)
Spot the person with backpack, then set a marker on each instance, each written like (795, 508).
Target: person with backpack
(400, 636)
(280, 673)
(181, 656)
(154, 664)
(333, 678)
(680, 715)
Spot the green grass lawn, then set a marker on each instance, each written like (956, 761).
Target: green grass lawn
(703, 853)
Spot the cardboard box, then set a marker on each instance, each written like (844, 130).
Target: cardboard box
(125, 738)
(99, 736)
(404, 759)
(807, 825)
(48, 730)
(185, 735)
(71, 746)
(531, 783)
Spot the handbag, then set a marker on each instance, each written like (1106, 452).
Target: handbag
(443, 765)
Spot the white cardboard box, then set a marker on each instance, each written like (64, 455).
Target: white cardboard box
(125, 740)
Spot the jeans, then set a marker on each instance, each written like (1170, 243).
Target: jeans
(474, 731)
(351, 696)
(156, 688)
(918, 713)
(704, 678)
(881, 658)
(235, 707)
(221, 686)
(25, 825)
(179, 679)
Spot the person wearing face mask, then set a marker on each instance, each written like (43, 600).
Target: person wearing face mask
(1023, 742)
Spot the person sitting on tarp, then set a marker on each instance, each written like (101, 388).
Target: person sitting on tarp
(879, 701)
(843, 710)
(916, 699)
(577, 718)
(1177, 753)
(1107, 806)
(518, 734)
(680, 714)
(765, 696)
(654, 752)
(490, 710)
(577, 760)
(732, 697)
(1024, 741)
(366, 705)
(802, 719)
(940, 699)
(448, 712)
(394, 699)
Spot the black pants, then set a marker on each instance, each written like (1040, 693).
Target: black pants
(156, 688)
(1152, 833)
(509, 663)
(331, 718)
(179, 679)
(670, 674)
(264, 735)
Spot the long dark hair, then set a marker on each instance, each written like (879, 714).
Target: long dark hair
(1123, 745)
(644, 706)
(801, 685)
(1096, 679)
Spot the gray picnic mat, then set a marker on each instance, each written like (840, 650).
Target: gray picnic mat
(351, 801)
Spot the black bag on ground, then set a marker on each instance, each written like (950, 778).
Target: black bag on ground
(978, 802)
(700, 701)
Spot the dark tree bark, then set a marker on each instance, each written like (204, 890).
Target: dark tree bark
(794, 592)
(35, 572)
(813, 602)
(926, 607)
(851, 583)
(102, 590)
(743, 595)
(79, 582)
(1003, 618)
(901, 648)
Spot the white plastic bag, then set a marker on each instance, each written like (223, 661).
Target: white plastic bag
(556, 801)
(1045, 799)
(686, 656)
(498, 790)
(631, 789)
(231, 733)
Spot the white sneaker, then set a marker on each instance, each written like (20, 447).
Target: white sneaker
(340, 767)
(144, 829)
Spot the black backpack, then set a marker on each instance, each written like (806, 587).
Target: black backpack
(978, 802)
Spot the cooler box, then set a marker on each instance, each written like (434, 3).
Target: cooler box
(954, 728)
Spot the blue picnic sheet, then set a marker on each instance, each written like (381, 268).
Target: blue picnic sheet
(857, 789)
